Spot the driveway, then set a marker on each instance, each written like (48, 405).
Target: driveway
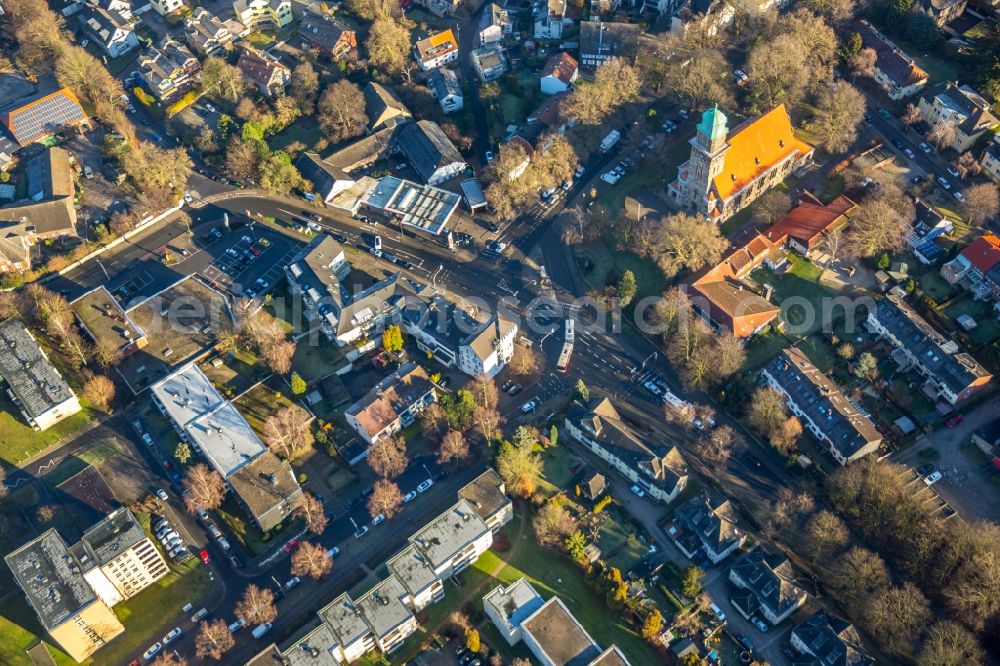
(967, 484)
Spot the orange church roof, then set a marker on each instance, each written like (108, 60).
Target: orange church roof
(756, 146)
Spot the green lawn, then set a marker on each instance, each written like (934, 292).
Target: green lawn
(314, 360)
(304, 130)
(935, 286)
(261, 402)
(819, 352)
(287, 308)
(762, 348)
(610, 263)
(801, 282)
(619, 547)
(20, 442)
(988, 328)
(733, 224)
(156, 610)
(832, 188)
(560, 467)
(552, 574)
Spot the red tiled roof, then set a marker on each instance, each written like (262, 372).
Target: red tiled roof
(808, 221)
(983, 253)
(563, 66)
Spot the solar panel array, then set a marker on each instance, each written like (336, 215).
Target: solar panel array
(44, 117)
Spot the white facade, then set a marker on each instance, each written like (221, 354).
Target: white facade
(252, 13)
(164, 7)
(552, 84)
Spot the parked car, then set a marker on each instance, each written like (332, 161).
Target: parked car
(954, 172)
(162, 494)
(333, 552)
(200, 614)
(927, 149)
(909, 153)
(363, 530)
(378, 519)
(204, 556)
(261, 629)
(760, 624)
(529, 406)
(172, 636)
(637, 491)
(153, 650)
(958, 196)
(943, 182)
(292, 582)
(717, 612)
(425, 485)
(290, 546)
(933, 478)
(236, 626)
(410, 496)
(954, 421)
(743, 640)
(515, 389)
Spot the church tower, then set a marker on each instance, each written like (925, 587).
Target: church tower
(708, 149)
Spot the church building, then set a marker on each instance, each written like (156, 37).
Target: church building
(727, 170)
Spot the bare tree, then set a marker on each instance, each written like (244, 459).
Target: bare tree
(898, 616)
(222, 79)
(911, 116)
(256, 606)
(388, 47)
(386, 499)
(311, 559)
(858, 575)
(341, 111)
(767, 411)
(877, 225)
(287, 431)
(704, 77)
(488, 421)
(312, 513)
(453, 447)
(982, 202)
(826, 535)
(950, 643)
(771, 206)
(616, 82)
(967, 164)
(205, 488)
(839, 109)
(304, 86)
(484, 390)
(942, 134)
(100, 391)
(863, 62)
(717, 447)
(526, 362)
(687, 242)
(214, 640)
(730, 355)
(278, 356)
(787, 434)
(832, 243)
(169, 659)
(778, 70)
(552, 524)
(835, 11)
(387, 457)
(434, 420)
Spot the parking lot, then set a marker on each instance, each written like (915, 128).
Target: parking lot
(249, 267)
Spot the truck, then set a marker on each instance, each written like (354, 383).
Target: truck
(610, 140)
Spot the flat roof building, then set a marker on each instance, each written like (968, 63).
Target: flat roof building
(105, 322)
(453, 540)
(508, 606)
(32, 382)
(556, 638)
(487, 494)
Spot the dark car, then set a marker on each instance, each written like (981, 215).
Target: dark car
(406, 264)
(788, 652)
(340, 238)
(745, 642)
(925, 469)
(492, 227)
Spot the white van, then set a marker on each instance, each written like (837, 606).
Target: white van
(261, 629)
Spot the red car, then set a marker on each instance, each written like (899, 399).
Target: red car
(205, 557)
(953, 421)
(290, 545)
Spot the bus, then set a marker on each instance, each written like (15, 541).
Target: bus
(567, 349)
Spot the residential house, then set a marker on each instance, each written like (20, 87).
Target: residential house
(804, 227)
(601, 41)
(508, 605)
(489, 63)
(215, 429)
(440, 8)
(822, 408)
(767, 586)
(560, 72)
(429, 151)
(487, 494)
(422, 207)
(991, 160)
(117, 559)
(494, 24)
(390, 618)
(943, 11)
(960, 106)
(453, 540)
(928, 225)
(166, 7)
(350, 629)
(446, 89)
(31, 381)
(439, 49)
(549, 18)
(721, 296)
(727, 171)
(15, 250)
(475, 344)
(49, 210)
(123, 7)
(823, 639)
(75, 617)
(705, 17)
(383, 108)
(105, 322)
(169, 70)
(897, 73)
(392, 404)
(43, 116)
(951, 376)
(659, 469)
(333, 39)
(422, 585)
(268, 13)
(269, 74)
(327, 180)
(556, 638)
(548, 116)
(974, 266)
(206, 34)
(706, 523)
(594, 486)
(111, 30)
(349, 305)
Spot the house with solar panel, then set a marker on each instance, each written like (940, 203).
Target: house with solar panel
(41, 117)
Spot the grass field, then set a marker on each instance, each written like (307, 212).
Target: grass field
(608, 262)
(551, 575)
(619, 547)
(988, 328)
(819, 352)
(935, 286)
(801, 282)
(304, 130)
(314, 361)
(20, 441)
(259, 403)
